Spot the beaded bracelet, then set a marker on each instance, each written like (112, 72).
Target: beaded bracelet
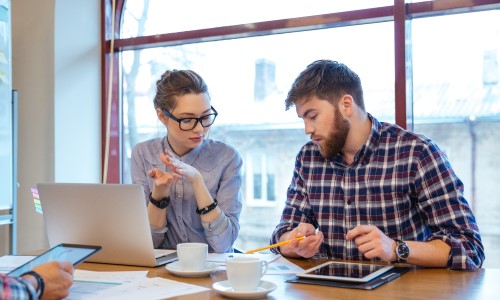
(39, 280)
(207, 209)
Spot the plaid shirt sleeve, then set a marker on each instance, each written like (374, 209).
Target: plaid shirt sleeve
(449, 216)
(16, 288)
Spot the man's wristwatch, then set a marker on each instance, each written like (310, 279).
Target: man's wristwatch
(402, 251)
(163, 203)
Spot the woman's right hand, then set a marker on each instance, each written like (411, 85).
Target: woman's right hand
(162, 182)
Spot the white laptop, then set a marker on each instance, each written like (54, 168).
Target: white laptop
(113, 216)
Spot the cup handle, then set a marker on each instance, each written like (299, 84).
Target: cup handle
(264, 269)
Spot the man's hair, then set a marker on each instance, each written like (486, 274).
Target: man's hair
(328, 80)
(176, 83)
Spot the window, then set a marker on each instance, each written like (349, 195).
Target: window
(457, 104)
(259, 186)
(6, 111)
(164, 17)
(249, 69)
(248, 90)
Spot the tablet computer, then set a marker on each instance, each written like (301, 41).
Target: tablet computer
(345, 271)
(62, 252)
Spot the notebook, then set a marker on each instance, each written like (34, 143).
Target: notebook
(113, 216)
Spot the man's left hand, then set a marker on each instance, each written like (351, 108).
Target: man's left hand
(372, 242)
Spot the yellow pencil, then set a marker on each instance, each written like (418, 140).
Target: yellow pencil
(275, 245)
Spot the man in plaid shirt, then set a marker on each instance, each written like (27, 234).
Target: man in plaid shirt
(51, 280)
(369, 190)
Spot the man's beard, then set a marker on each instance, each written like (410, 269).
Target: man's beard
(336, 139)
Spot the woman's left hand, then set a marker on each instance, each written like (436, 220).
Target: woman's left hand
(178, 167)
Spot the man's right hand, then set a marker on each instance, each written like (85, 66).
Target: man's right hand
(307, 247)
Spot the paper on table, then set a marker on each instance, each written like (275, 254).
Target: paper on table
(277, 263)
(10, 262)
(283, 266)
(89, 283)
(86, 289)
(222, 257)
(149, 288)
(126, 285)
(111, 276)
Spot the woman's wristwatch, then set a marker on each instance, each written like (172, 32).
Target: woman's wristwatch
(163, 203)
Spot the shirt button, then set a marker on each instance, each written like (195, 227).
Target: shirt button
(184, 237)
(348, 202)
(178, 196)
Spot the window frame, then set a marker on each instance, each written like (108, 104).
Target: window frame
(111, 46)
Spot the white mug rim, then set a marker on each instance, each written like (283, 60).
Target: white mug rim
(192, 245)
(243, 259)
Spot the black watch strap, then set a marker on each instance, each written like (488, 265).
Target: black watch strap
(402, 251)
(163, 203)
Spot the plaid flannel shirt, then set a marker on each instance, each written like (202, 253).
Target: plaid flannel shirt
(16, 288)
(399, 181)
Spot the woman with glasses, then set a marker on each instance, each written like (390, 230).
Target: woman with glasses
(191, 183)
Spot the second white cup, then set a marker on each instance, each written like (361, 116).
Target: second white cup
(192, 256)
(244, 272)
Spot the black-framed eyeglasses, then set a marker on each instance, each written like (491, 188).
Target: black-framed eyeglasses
(187, 124)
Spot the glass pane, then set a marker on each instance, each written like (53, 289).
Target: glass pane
(6, 138)
(270, 187)
(257, 186)
(457, 104)
(164, 17)
(248, 80)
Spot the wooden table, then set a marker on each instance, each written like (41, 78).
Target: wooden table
(418, 283)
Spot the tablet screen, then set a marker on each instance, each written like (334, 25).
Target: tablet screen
(345, 271)
(62, 252)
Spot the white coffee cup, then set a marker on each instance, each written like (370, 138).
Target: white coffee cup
(192, 256)
(244, 272)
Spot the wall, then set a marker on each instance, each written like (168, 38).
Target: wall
(56, 68)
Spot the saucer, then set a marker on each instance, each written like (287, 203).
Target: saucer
(176, 269)
(224, 287)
